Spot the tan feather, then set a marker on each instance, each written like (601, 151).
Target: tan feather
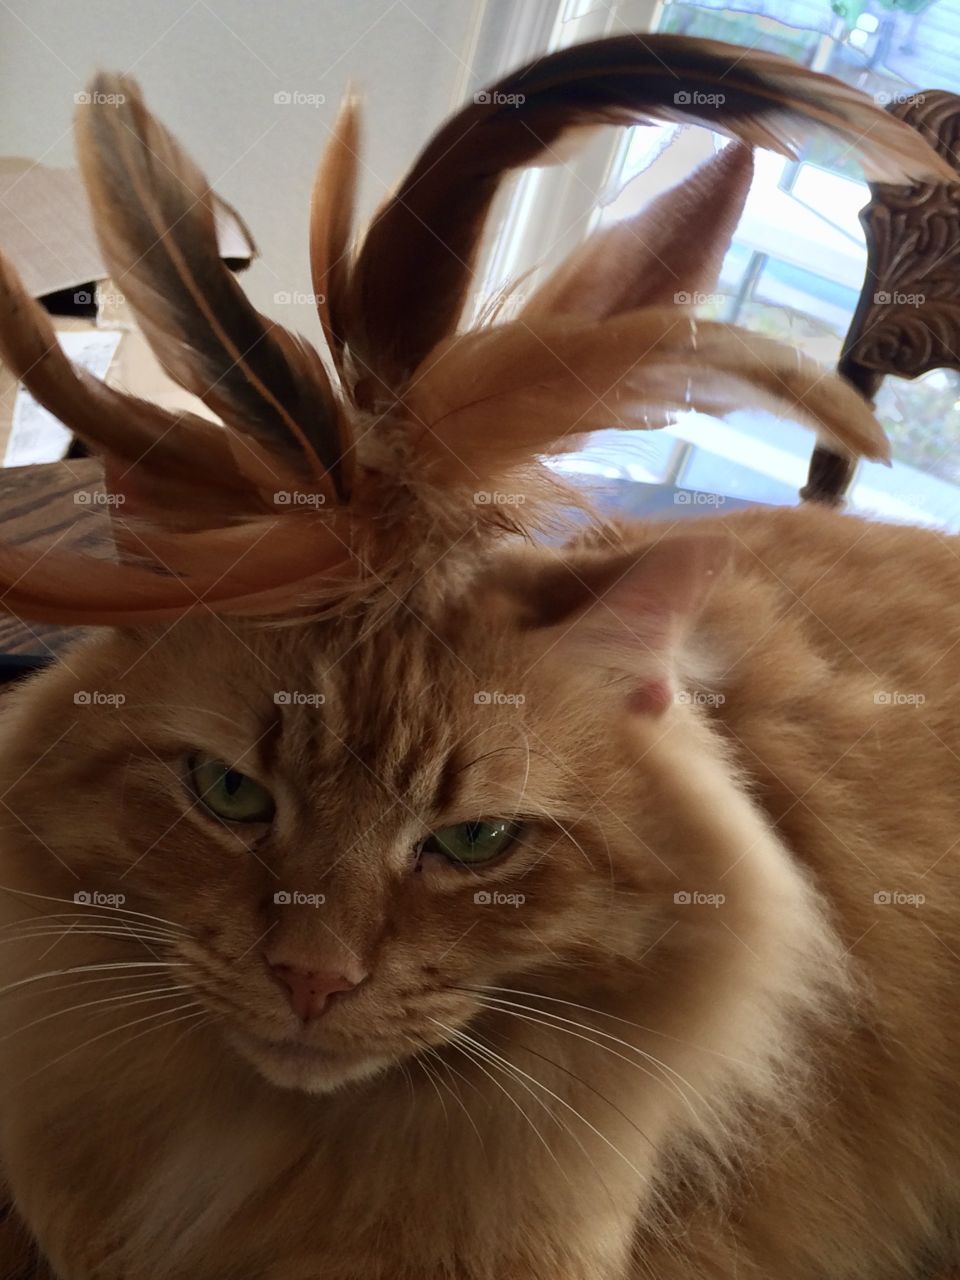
(332, 203)
(247, 553)
(489, 401)
(589, 352)
(415, 264)
(667, 250)
(154, 217)
(254, 571)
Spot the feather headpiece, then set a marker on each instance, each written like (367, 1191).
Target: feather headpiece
(386, 445)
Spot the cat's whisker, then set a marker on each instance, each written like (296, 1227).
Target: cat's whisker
(442, 1063)
(196, 1026)
(108, 928)
(508, 1068)
(127, 927)
(84, 982)
(80, 914)
(559, 1119)
(125, 998)
(511, 1008)
(563, 1102)
(162, 1026)
(601, 1013)
(93, 968)
(110, 1032)
(477, 1053)
(93, 931)
(70, 902)
(573, 840)
(405, 1072)
(430, 1076)
(526, 767)
(559, 1066)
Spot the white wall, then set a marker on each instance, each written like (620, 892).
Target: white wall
(210, 69)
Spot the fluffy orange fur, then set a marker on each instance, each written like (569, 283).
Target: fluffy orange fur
(696, 1021)
(701, 1046)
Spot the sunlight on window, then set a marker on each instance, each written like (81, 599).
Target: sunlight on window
(796, 265)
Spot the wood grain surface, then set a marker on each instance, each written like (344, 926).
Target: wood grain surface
(56, 504)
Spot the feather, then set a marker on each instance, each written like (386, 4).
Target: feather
(415, 264)
(331, 222)
(663, 254)
(596, 346)
(489, 401)
(247, 553)
(244, 577)
(155, 222)
(172, 457)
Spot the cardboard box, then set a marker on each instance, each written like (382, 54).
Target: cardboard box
(47, 232)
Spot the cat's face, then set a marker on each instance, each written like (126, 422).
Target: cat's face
(343, 840)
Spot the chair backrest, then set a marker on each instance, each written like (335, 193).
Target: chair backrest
(907, 320)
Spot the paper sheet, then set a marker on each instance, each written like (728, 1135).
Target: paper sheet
(37, 436)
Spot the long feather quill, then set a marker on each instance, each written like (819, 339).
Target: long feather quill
(490, 401)
(154, 216)
(416, 262)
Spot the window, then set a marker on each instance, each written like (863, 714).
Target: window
(796, 265)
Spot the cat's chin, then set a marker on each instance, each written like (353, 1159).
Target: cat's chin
(288, 1064)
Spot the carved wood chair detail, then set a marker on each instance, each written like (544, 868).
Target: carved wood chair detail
(907, 320)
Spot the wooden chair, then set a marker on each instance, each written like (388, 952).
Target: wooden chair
(913, 252)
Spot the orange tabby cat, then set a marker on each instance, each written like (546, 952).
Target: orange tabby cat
(508, 913)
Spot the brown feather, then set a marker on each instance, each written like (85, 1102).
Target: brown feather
(589, 352)
(415, 264)
(155, 221)
(176, 458)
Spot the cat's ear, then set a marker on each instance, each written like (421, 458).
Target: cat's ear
(627, 612)
(669, 252)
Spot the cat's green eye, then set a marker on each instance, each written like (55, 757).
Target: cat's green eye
(227, 792)
(472, 843)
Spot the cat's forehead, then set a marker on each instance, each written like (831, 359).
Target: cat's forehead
(394, 710)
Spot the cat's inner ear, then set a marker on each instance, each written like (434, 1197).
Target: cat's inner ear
(624, 612)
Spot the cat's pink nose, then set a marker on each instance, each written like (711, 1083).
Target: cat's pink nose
(309, 991)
